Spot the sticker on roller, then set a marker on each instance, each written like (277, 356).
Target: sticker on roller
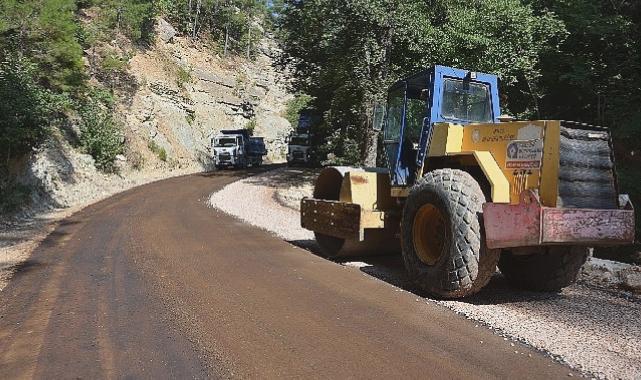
(524, 154)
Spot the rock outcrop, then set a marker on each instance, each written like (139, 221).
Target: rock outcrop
(188, 94)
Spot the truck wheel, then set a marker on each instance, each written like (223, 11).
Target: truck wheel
(443, 244)
(548, 270)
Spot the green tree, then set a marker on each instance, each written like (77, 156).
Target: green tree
(25, 110)
(45, 32)
(594, 75)
(345, 54)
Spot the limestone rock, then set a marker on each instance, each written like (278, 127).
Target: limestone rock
(166, 32)
(631, 279)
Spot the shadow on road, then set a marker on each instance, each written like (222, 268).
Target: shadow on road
(390, 269)
(25, 267)
(288, 177)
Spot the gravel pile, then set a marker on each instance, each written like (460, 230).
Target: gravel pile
(254, 201)
(593, 326)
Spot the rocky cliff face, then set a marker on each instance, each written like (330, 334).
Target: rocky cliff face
(175, 96)
(187, 94)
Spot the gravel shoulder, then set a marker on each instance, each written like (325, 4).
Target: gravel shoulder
(20, 235)
(593, 326)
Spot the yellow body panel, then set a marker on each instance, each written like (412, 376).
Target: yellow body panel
(493, 173)
(447, 138)
(370, 190)
(511, 155)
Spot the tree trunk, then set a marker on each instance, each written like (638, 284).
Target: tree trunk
(226, 40)
(371, 136)
(371, 142)
(198, 6)
(249, 40)
(191, 21)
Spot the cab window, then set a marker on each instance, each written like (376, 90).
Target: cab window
(394, 114)
(466, 101)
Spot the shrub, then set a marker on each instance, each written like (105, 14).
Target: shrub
(13, 196)
(25, 107)
(294, 106)
(100, 136)
(183, 76)
(251, 126)
(158, 150)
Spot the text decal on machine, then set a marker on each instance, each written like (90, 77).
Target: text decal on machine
(524, 154)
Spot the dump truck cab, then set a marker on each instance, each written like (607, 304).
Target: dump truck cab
(237, 148)
(464, 191)
(299, 149)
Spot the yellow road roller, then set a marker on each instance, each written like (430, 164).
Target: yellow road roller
(465, 191)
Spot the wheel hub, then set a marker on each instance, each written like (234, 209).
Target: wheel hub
(428, 234)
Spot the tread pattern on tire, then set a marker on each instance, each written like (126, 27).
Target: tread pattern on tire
(466, 266)
(550, 270)
(586, 168)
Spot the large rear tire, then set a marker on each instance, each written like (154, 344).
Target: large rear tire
(548, 270)
(443, 243)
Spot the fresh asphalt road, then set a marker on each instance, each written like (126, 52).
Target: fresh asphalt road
(152, 283)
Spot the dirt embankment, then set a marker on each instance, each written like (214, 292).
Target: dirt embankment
(593, 325)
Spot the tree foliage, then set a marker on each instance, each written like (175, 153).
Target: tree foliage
(345, 54)
(235, 24)
(25, 108)
(45, 32)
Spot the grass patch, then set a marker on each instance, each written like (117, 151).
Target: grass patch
(158, 150)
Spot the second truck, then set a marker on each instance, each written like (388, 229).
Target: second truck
(465, 191)
(300, 150)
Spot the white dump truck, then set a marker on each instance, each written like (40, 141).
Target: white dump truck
(237, 149)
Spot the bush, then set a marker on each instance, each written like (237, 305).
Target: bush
(13, 196)
(251, 126)
(183, 76)
(100, 136)
(25, 107)
(294, 106)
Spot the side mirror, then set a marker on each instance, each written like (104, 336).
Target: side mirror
(378, 119)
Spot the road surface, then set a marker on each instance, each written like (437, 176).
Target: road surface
(152, 283)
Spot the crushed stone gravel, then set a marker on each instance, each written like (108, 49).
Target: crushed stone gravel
(593, 326)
